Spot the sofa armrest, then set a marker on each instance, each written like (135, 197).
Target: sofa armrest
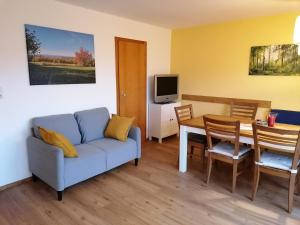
(46, 162)
(135, 134)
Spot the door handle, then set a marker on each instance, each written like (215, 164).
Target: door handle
(123, 94)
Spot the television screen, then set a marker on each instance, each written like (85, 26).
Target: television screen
(166, 85)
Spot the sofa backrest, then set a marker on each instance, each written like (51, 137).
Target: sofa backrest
(64, 124)
(92, 123)
(286, 116)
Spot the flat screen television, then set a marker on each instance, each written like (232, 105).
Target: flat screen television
(165, 88)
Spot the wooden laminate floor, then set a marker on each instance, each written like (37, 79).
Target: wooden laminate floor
(152, 193)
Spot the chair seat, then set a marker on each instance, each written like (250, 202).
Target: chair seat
(227, 149)
(199, 138)
(276, 161)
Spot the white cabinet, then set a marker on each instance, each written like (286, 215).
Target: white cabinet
(162, 120)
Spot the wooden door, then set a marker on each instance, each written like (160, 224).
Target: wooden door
(131, 69)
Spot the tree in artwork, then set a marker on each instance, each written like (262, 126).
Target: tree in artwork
(84, 58)
(33, 44)
(274, 60)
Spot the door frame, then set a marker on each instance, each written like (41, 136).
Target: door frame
(117, 39)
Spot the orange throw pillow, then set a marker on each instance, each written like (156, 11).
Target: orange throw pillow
(54, 138)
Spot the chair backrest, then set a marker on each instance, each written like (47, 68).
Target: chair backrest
(276, 139)
(226, 130)
(243, 110)
(184, 112)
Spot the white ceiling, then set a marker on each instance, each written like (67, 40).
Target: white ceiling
(185, 13)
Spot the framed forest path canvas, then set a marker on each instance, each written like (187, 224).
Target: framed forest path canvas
(274, 60)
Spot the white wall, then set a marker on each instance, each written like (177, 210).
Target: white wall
(21, 102)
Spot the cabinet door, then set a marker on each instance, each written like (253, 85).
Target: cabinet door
(165, 114)
(169, 124)
(173, 128)
(172, 110)
(166, 129)
(165, 120)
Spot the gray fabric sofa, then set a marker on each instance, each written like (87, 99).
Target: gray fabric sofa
(97, 154)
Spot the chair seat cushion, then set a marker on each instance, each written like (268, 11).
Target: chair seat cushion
(227, 149)
(199, 138)
(277, 161)
(117, 152)
(91, 162)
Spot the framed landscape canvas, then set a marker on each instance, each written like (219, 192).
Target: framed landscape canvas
(274, 60)
(59, 56)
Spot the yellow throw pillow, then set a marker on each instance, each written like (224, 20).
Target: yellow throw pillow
(53, 138)
(118, 127)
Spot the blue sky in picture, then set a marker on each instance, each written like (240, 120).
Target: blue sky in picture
(61, 42)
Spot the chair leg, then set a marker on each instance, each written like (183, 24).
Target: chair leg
(252, 164)
(191, 147)
(297, 184)
(291, 191)
(209, 166)
(59, 195)
(34, 178)
(234, 175)
(203, 158)
(136, 162)
(217, 163)
(255, 181)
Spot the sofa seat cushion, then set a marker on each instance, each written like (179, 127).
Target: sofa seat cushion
(91, 162)
(117, 152)
(64, 124)
(92, 123)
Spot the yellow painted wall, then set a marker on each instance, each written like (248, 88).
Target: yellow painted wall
(213, 60)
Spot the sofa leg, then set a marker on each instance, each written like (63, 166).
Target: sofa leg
(59, 195)
(34, 178)
(136, 162)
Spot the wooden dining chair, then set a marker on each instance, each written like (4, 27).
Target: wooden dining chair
(228, 150)
(198, 141)
(243, 110)
(281, 157)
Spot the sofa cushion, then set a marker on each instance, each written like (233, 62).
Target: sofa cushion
(58, 140)
(64, 124)
(287, 116)
(92, 123)
(117, 152)
(91, 162)
(118, 127)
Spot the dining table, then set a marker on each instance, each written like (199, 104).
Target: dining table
(196, 125)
